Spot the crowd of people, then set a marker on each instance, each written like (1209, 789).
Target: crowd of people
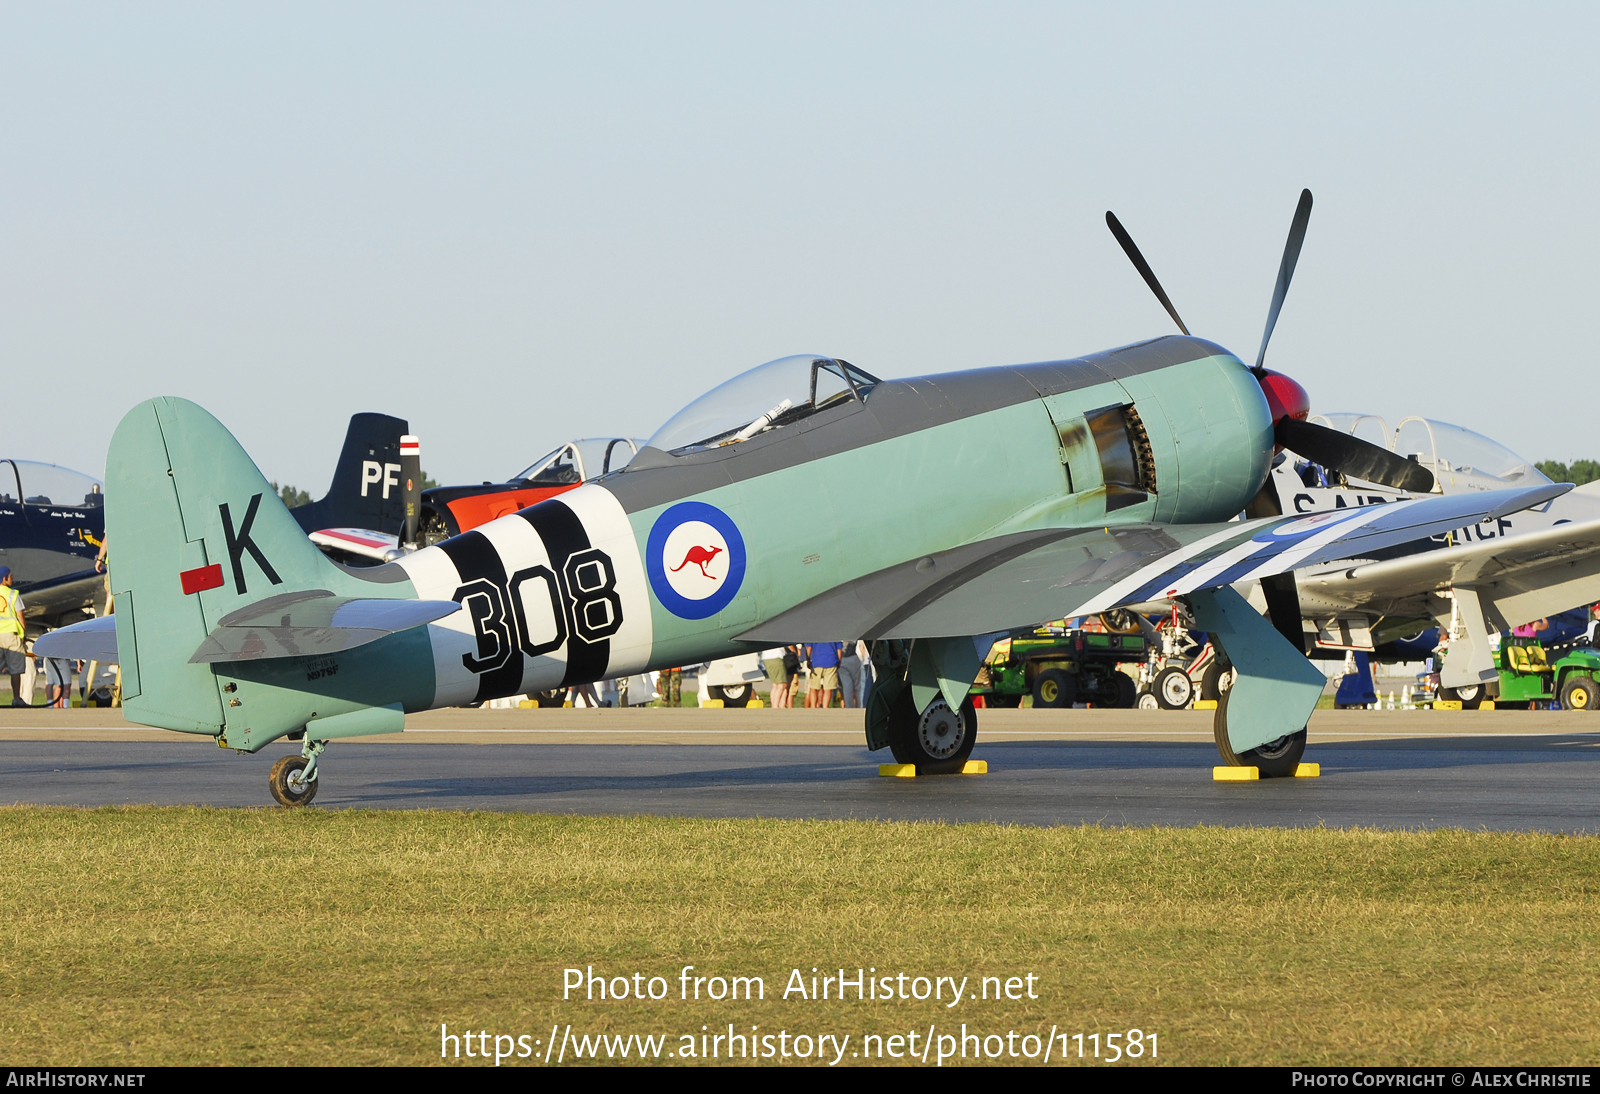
(820, 672)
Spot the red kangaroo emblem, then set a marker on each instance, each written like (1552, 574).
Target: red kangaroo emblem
(699, 556)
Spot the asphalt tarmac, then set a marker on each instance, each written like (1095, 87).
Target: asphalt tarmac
(1402, 770)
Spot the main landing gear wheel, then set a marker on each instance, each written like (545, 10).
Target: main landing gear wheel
(938, 740)
(289, 783)
(1579, 693)
(1173, 689)
(1054, 688)
(1275, 760)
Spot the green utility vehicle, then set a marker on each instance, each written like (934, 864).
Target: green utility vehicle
(1528, 675)
(1060, 666)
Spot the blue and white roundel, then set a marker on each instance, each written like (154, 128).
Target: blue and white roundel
(695, 558)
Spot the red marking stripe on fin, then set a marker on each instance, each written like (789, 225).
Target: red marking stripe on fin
(199, 580)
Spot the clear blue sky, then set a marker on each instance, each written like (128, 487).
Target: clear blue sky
(515, 224)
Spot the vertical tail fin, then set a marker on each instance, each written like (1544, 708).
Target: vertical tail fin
(366, 489)
(195, 531)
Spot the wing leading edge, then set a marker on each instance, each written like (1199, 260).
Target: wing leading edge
(1526, 576)
(1020, 580)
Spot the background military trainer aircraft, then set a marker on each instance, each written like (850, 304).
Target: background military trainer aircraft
(1122, 471)
(52, 521)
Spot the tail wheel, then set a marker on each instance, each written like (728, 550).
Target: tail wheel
(732, 695)
(1277, 759)
(938, 740)
(1054, 688)
(1147, 701)
(1173, 689)
(1580, 693)
(288, 784)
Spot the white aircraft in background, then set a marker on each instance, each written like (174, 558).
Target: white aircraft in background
(1470, 582)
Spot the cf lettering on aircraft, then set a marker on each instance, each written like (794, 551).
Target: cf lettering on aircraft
(582, 601)
(373, 472)
(1497, 527)
(240, 542)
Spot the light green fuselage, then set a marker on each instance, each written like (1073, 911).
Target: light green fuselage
(920, 466)
(815, 525)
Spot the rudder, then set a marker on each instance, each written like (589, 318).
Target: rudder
(195, 531)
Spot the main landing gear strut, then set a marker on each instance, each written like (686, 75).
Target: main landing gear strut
(1261, 719)
(293, 780)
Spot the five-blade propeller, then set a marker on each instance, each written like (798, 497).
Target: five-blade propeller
(1340, 452)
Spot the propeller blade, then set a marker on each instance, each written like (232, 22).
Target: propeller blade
(1291, 255)
(1351, 456)
(1132, 250)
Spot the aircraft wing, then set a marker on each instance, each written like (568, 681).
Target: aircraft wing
(92, 640)
(1527, 576)
(379, 546)
(1018, 580)
(65, 594)
(313, 622)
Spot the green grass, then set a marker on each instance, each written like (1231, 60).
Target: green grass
(150, 936)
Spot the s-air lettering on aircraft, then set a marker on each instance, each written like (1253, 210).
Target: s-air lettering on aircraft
(979, 503)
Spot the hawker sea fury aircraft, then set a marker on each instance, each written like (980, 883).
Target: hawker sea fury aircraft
(970, 505)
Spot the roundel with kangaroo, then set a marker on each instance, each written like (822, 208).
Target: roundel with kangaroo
(695, 558)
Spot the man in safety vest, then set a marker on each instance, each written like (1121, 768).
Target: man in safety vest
(13, 658)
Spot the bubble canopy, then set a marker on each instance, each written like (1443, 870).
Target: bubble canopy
(48, 484)
(1439, 446)
(767, 397)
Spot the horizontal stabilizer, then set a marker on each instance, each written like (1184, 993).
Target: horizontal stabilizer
(313, 622)
(92, 640)
(378, 546)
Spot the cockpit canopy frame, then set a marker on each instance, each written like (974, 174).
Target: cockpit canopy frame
(767, 397)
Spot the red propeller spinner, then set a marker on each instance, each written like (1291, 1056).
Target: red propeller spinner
(1285, 397)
